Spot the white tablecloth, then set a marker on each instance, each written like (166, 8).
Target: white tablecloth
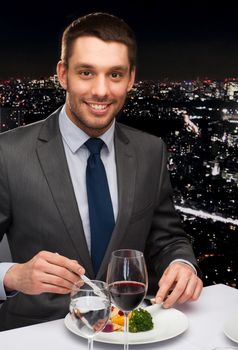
(206, 319)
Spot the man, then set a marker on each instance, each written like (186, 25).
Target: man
(48, 205)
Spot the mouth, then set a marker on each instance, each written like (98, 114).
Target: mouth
(98, 108)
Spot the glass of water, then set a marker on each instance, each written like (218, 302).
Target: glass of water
(90, 308)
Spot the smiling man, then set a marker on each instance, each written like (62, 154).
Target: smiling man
(81, 185)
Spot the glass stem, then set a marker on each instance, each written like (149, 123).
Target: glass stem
(90, 343)
(126, 331)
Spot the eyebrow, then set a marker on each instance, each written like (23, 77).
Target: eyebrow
(89, 66)
(83, 65)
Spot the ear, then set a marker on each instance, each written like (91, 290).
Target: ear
(132, 79)
(62, 74)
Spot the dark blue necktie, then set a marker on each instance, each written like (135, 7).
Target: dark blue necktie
(99, 203)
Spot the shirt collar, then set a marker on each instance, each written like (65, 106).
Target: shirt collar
(75, 137)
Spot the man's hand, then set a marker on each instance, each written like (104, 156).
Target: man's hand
(45, 272)
(179, 279)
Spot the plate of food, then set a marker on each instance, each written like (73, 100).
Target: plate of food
(165, 324)
(231, 327)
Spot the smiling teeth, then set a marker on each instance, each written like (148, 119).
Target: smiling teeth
(98, 107)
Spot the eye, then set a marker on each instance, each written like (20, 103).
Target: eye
(116, 75)
(85, 74)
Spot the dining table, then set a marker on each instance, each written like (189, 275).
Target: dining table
(206, 318)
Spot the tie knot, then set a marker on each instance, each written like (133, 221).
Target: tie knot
(94, 145)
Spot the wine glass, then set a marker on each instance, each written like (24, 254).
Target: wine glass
(90, 308)
(127, 281)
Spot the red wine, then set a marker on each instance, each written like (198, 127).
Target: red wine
(127, 295)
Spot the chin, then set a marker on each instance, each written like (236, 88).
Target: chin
(100, 125)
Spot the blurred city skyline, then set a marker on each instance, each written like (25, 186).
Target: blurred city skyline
(176, 40)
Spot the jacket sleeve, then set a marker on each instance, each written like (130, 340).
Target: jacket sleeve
(5, 207)
(167, 240)
(4, 218)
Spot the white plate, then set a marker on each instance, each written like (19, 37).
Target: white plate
(231, 327)
(168, 323)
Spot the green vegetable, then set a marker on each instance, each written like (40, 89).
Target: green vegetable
(140, 321)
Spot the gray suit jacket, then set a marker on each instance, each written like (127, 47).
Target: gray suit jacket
(38, 210)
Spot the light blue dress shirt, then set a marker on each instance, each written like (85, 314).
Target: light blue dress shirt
(77, 155)
(4, 267)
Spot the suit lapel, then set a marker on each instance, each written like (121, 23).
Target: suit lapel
(52, 158)
(126, 174)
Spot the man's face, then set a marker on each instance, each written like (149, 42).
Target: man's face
(97, 80)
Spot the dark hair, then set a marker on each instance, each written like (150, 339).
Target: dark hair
(103, 26)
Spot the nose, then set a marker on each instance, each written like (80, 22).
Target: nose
(100, 88)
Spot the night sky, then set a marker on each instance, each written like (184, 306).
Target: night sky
(176, 40)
